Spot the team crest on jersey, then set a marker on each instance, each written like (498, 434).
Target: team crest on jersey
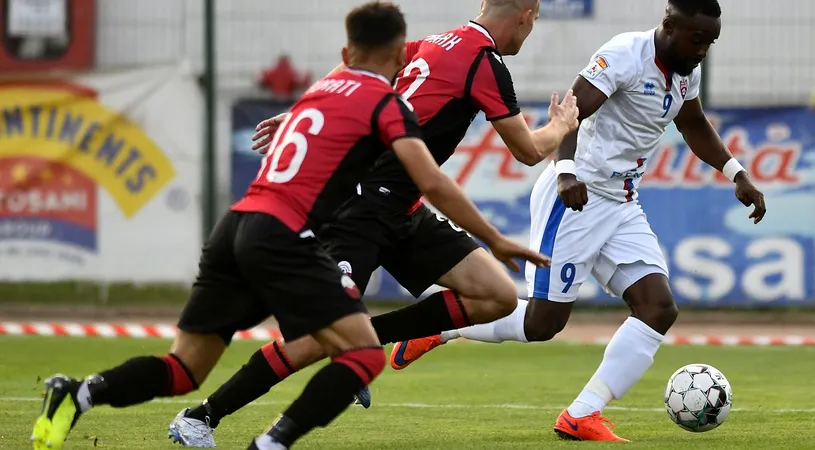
(596, 68)
(683, 87)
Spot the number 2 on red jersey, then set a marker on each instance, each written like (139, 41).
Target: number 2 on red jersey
(288, 137)
(424, 71)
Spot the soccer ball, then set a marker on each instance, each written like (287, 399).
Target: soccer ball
(698, 397)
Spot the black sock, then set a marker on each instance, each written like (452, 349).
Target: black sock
(141, 379)
(439, 312)
(249, 383)
(325, 397)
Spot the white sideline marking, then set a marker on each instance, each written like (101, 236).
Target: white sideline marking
(189, 402)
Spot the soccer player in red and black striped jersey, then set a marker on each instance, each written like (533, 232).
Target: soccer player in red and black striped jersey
(263, 259)
(449, 78)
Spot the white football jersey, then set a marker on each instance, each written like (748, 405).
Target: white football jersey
(616, 142)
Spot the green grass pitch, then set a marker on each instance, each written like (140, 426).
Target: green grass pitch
(461, 396)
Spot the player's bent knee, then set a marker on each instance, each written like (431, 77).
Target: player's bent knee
(667, 314)
(480, 277)
(544, 319)
(542, 331)
(660, 313)
(367, 363)
(506, 303)
(504, 297)
(543, 327)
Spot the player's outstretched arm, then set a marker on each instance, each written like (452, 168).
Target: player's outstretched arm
(531, 147)
(448, 197)
(704, 142)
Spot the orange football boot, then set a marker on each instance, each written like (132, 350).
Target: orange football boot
(406, 352)
(590, 428)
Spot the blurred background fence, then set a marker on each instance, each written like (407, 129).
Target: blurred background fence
(125, 125)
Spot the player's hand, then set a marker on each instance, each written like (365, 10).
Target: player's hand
(265, 131)
(748, 194)
(572, 191)
(506, 250)
(565, 112)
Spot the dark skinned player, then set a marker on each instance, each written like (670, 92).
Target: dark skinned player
(585, 212)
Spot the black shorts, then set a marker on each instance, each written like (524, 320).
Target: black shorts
(252, 267)
(415, 249)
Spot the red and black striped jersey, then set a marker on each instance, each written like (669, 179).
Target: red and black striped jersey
(449, 78)
(332, 137)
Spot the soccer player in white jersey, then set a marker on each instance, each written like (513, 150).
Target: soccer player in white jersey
(585, 212)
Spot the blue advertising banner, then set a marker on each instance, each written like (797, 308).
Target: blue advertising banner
(716, 256)
(566, 9)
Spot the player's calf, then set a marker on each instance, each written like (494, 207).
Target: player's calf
(631, 350)
(266, 367)
(332, 389)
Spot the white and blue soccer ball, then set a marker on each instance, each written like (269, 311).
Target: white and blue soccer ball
(698, 397)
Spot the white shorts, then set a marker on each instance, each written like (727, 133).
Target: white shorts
(611, 240)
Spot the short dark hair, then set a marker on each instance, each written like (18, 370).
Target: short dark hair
(375, 25)
(691, 8)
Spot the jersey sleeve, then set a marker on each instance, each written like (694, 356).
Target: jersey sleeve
(411, 48)
(492, 89)
(613, 67)
(394, 120)
(694, 84)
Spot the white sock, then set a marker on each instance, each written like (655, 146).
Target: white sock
(266, 442)
(509, 328)
(628, 355)
(83, 397)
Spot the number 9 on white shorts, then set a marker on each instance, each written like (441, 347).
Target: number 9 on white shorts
(610, 239)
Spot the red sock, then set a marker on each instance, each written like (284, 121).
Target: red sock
(367, 363)
(456, 309)
(179, 379)
(278, 359)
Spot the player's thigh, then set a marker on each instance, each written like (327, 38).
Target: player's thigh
(630, 254)
(572, 239)
(294, 278)
(632, 266)
(220, 303)
(432, 249)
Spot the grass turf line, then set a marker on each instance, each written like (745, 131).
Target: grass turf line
(458, 397)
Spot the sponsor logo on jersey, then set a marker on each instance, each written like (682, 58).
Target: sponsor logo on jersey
(649, 88)
(601, 62)
(345, 266)
(634, 173)
(58, 146)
